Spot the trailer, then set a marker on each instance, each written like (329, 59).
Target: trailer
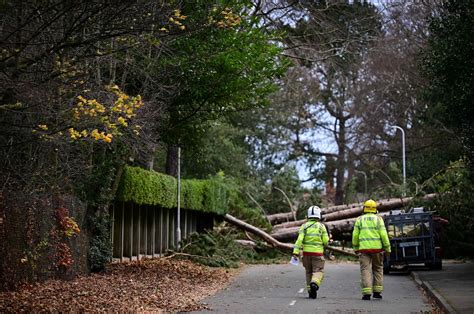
(415, 238)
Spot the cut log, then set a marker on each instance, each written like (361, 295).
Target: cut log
(287, 234)
(383, 206)
(280, 217)
(343, 211)
(336, 228)
(289, 224)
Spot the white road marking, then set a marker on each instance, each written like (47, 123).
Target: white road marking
(301, 290)
(292, 302)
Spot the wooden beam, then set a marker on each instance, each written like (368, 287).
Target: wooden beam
(166, 225)
(139, 233)
(131, 233)
(145, 231)
(153, 233)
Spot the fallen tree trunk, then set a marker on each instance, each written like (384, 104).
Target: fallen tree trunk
(287, 219)
(258, 232)
(383, 206)
(280, 217)
(268, 238)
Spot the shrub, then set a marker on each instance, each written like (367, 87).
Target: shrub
(100, 251)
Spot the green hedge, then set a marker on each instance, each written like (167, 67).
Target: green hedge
(146, 187)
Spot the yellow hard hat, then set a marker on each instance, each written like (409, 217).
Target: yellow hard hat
(370, 206)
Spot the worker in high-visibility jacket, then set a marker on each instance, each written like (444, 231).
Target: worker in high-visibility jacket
(370, 240)
(312, 238)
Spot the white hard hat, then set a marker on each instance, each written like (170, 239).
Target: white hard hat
(314, 212)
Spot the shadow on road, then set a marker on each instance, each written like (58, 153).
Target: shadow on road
(406, 270)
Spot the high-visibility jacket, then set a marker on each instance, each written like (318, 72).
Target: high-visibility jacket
(370, 235)
(312, 238)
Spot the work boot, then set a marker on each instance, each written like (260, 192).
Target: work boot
(366, 297)
(313, 290)
(377, 295)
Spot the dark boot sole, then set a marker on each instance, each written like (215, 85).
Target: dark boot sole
(313, 293)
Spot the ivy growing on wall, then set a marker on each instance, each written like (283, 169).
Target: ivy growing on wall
(146, 187)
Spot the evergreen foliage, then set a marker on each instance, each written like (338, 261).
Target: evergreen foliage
(456, 187)
(100, 251)
(219, 249)
(449, 69)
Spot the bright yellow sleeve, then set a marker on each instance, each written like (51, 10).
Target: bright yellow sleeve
(384, 236)
(355, 235)
(324, 236)
(299, 242)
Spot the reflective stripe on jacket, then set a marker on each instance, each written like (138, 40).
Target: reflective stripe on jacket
(312, 238)
(370, 235)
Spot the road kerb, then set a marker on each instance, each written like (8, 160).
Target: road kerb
(439, 299)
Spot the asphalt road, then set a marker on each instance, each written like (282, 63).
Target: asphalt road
(281, 288)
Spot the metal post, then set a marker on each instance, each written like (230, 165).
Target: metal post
(403, 157)
(178, 224)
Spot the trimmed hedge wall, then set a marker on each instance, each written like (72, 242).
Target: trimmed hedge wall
(147, 187)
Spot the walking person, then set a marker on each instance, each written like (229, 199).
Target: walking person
(370, 240)
(312, 238)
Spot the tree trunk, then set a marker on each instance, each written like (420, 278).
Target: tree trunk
(258, 232)
(172, 160)
(151, 158)
(341, 163)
